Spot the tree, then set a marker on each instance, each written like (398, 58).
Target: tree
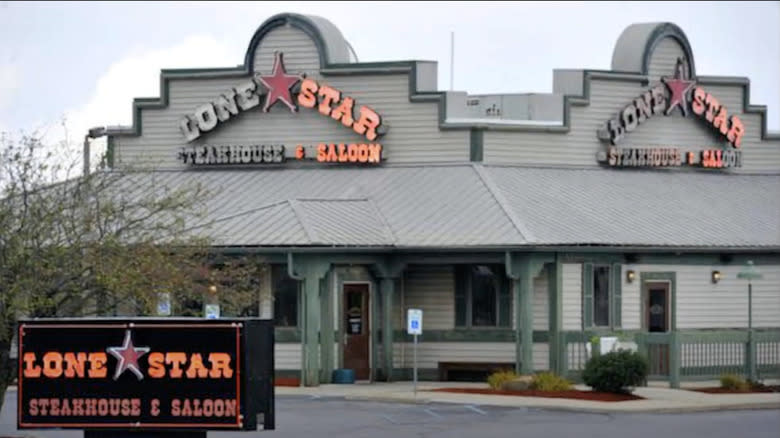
(106, 243)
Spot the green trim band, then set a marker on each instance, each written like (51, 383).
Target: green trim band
(468, 335)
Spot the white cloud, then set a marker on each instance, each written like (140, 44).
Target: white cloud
(136, 75)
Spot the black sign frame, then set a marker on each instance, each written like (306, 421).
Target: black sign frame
(243, 387)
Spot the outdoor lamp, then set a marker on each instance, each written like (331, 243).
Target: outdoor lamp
(630, 275)
(715, 277)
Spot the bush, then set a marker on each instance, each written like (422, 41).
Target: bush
(498, 378)
(617, 371)
(549, 381)
(734, 382)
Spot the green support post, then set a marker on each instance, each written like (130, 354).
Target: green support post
(526, 319)
(557, 343)
(387, 287)
(674, 359)
(326, 333)
(311, 271)
(521, 270)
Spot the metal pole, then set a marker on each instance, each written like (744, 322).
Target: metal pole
(452, 60)
(415, 365)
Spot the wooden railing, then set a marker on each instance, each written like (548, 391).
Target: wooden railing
(691, 354)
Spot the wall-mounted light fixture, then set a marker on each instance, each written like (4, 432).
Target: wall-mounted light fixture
(715, 277)
(630, 276)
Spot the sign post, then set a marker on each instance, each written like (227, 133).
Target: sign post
(750, 273)
(414, 328)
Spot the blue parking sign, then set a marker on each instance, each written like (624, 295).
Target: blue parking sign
(414, 322)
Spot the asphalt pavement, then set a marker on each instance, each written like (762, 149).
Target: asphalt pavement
(338, 417)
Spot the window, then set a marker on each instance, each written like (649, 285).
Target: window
(285, 290)
(482, 297)
(601, 296)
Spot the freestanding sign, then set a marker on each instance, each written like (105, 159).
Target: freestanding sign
(414, 327)
(146, 374)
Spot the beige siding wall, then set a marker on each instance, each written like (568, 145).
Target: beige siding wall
(701, 304)
(541, 300)
(429, 354)
(413, 135)
(287, 356)
(630, 297)
(572, 296)
(431, 288)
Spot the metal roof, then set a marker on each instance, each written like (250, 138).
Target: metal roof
(642, 207)
(474, 205)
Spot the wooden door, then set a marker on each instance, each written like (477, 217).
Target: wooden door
(657, 320)
(356, 329)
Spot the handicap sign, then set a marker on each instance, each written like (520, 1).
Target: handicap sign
(414, 320)
(212, 311)
(164, 304)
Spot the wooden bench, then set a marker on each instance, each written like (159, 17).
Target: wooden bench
(473, 371)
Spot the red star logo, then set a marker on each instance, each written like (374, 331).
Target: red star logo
(679, 86)
(128, 355)
(279, 84)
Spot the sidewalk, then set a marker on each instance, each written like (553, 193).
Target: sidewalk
(657, 399)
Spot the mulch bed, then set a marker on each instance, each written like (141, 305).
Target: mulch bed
(287, 381)
(764, 389)
(573, 394)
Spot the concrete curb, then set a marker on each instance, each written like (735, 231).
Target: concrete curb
(573, 409)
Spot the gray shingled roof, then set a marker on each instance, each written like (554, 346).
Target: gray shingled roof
(473, 206)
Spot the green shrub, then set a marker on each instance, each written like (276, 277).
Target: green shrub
(734, 382)
(617, 371)
(549, 381)
(498, 378)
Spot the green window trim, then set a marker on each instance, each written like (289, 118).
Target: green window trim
(615, 297)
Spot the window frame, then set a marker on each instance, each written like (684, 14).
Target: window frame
(275, 268)
(464, 272)
(610, 318)
(614, 295)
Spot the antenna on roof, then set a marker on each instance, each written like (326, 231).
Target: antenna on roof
(452, 60)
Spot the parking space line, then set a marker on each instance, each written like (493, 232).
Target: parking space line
(428, 410)
(476, 409)
(390, 419)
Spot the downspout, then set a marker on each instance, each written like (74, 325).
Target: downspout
(508, 266)
(290, 271)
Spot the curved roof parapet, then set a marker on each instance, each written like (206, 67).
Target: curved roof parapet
(337, 46)
(330, 42)
(635, 46)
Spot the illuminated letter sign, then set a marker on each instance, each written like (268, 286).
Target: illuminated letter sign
(675, 92)
(145, 374)
(278, 87)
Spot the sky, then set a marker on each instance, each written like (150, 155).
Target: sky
(76, 65)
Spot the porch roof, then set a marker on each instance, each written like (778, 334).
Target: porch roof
(481, 206)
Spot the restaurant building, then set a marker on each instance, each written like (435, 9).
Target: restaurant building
(624, 203)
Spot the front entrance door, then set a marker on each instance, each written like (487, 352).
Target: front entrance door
(657, 320)
(356, 348)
